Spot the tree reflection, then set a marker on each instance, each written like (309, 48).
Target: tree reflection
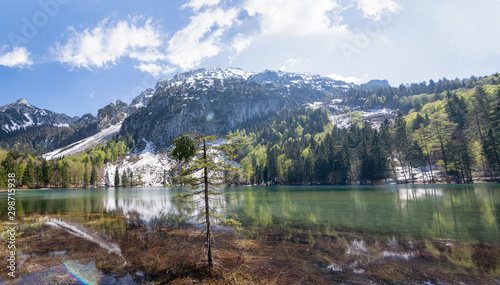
(468, 213)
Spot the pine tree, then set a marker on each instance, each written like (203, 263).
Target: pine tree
(401, 142)
(124, 178)
(10, 164)
(379, 159)
(85, 176)
(65, 175)
(117, 177)
(93, 176)
(202, 153)
(131, 177)
(107, 182)
(272, 165)
(387, 145)
(46, 173)
(29, 175)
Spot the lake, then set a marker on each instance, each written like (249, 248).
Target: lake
(462, 212)
(453, 213)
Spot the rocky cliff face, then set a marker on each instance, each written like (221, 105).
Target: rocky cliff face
(113, 114)
(143, 98)
(375, 84)
(214, 107)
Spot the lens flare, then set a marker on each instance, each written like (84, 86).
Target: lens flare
(86, 274)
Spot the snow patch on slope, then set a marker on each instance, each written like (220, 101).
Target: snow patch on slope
(152, 167)
(82, 145)
(341, 115)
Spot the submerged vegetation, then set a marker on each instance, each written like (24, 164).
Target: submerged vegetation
(161, 254)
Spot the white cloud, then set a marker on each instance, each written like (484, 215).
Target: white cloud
(374, 9)
(18, 57)
(348, 79)
(292, 17)
(198, 4)
(241, 42)
(201, 38)
(217, 29)
(108, 42)
(154, 68)
(293, 62)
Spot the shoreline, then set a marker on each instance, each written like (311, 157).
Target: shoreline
(479, 182)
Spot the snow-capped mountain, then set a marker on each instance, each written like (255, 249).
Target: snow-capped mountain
(22, 115)
(211, 100)
(216, 100)
(295, 79)
(206, 77)
(202, 77)
(210, 73)
(143, 98)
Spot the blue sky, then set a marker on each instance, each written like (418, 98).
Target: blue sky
(76, 56)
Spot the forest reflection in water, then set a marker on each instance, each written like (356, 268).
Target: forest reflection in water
(462, 212)
(330, 234)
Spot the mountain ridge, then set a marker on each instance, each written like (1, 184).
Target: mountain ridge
(21, 115)
(297, 88)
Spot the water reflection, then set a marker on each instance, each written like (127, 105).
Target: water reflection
(468, 213)
(140, 204)
(419, 194)
(423, 212)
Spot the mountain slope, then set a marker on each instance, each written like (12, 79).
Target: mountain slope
(214, 107)
(82, 145)
(21, 115)
(28, 128)
(211, 100)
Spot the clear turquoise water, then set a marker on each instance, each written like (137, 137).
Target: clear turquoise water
(461, 212)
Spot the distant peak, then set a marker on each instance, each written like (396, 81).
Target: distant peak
(19, 104)
(22, 102)
(375, 84)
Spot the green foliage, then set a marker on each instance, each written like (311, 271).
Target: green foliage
(456, 126)
(124, 178)
(70, 171)
(185, 148)
(93, 176)
(117, 177)
(86, 177)
(210, 156)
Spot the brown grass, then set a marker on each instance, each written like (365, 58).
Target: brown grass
(177, 256)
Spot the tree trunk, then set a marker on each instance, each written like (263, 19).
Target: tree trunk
(444, 155)
(429, 159)
(207, 207)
